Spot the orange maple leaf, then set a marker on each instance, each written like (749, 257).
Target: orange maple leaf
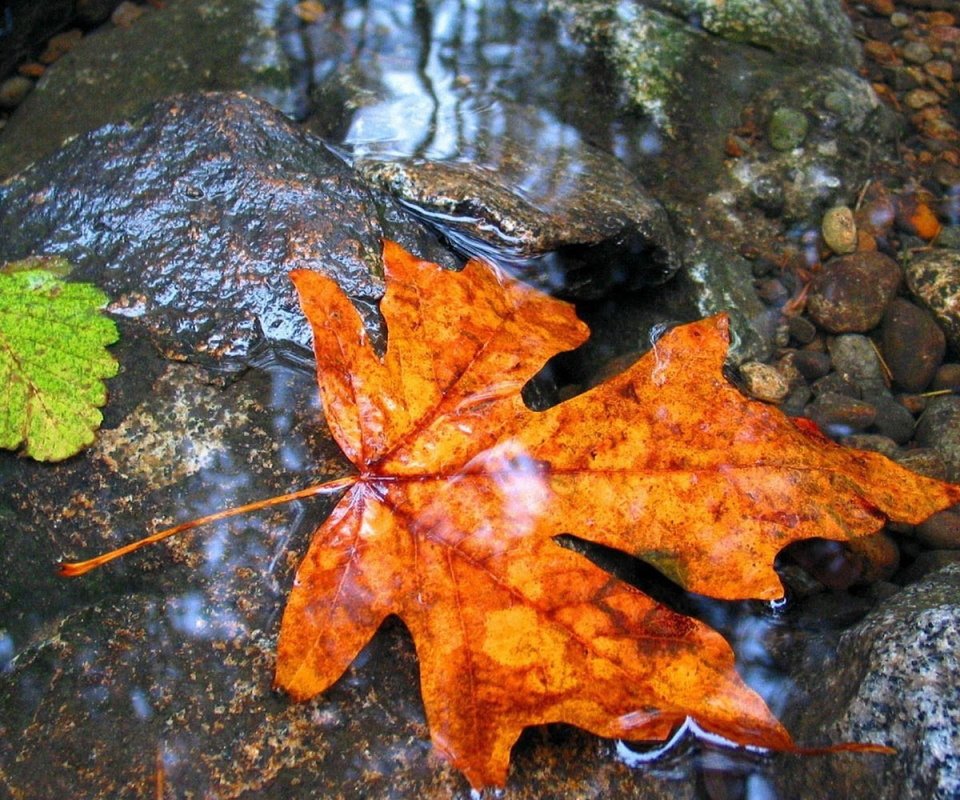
(461, 488)
(449, 522)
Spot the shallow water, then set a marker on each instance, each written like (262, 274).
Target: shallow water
(179, 647)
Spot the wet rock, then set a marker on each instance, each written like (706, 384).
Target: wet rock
(851, 293)
(839, 230)
(787, 128)
(917, 52)
(569, 217)
(941, 531)
(812, 364)
(939, 428)
(924, 460)
(191, 218)
(934, 279)
(108, 77)
(14, 90)
(720, 281)
(835, 382)
(913, 344)
(874, 442)
(839, 415)
(764, 381)
(895, 671)
(947, 377)
(652, 49)
(893, 420)
(785, 27)
(855, 358)
(802, 330)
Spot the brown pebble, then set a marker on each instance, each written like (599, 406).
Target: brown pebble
(942, 70)
(913, 344)
(882, 53)
(811, 364)
(882, 7)
(61, 44)
(942, 530)
(31, 69)
(914, 403)
(947, 377)
(877, 212)
(878, 556)
(14, 90)
(840, 415)
(125, 14)
(921, 98)
(851, 292)
(941, 18)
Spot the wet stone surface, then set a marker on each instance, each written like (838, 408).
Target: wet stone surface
(893, 680)
(569, 218)
(191, 218)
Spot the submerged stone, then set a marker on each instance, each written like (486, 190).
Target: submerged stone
(186, 46)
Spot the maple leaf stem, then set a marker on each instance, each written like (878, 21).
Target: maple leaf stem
(75, 568)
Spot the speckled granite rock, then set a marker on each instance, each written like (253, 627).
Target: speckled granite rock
(894, 680)
(934, 279)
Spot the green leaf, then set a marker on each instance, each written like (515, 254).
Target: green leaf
(52, 363)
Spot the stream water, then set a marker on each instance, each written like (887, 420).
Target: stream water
(185, 650)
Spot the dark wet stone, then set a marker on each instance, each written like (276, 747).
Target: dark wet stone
(934, 279)
(924, 460)
(947, 377)
(191, 217)
(93, 12)
(719, 280)
(893, 681)
(927, 562)
(893, 420)
(839, 415)
(941, 531)
(939, 428)
(812, 364)
(851, 293)
(222, 44)
(569, 217)
(836, 383)
(875, 442)
(913, 344)
(802, 330)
